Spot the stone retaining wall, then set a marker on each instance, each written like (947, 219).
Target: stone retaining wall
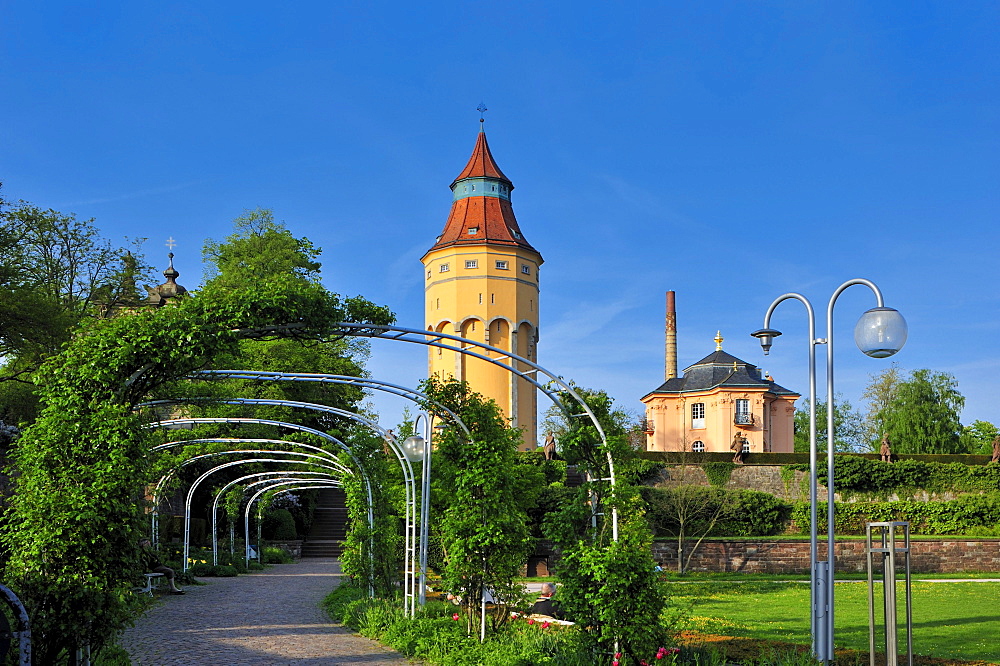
(778, 557)
(768, 479)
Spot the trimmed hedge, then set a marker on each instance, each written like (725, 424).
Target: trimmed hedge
(972, 515)
(853, 474)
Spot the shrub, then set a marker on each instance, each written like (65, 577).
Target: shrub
(223, 571)
(200, 569)
(980, 513)
(745, 513)
(274, 555)
(855, 474)
(279, 525)
(718, 473)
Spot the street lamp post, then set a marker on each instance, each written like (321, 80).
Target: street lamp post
(418, 448)
(879, 333)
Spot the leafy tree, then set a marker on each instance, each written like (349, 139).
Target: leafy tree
(978, 437)
(922, 414)
(261, 250)
(72, 527)
(609, 586)
(691, 512)
(483, 527)
(56, 272)
(879, 393)
(848, 427)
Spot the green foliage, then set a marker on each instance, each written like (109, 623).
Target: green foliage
(608, 586)
(718, 473)
(273, 555)
(857, 475)
(200, 569)
(922, 414)
(260, 248)
(72, 527)
(848, 427)
(743, 513)
(434, 637)
(279, 525)
(55, 273)
(481, 506)
(223, 571)
(978, 437)
(373, 557)
(968, 514)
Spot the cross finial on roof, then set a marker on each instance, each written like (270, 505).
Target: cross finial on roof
(171, 243)
(482, 110)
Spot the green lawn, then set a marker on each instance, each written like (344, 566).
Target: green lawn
(950, 620)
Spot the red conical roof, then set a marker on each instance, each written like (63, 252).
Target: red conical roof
(481, 164)
(482, 219)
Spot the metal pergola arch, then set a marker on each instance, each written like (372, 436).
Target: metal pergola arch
(410, 537)
(220, 493)
(300, 484)
(364, 382)
(462, 345)
(336, 467)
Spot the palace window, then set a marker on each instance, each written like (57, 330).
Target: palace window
(526, 269)
(501, 265)
(698, 415)
(698, 447)
(473, 231)
(743, 416)
(444, 268)
(472, 263)
(746, 446)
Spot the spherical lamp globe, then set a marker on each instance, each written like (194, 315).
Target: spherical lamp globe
(413, 448)
(880, 332)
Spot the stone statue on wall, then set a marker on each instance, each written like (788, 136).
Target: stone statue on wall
(737, 447)
(550, 446)
(885, 452)
(996, 450)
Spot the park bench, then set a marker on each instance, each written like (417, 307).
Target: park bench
(148, 587)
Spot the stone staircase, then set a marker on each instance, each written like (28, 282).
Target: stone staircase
(574, 477)
(329, 526)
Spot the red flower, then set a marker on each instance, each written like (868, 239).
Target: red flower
(614, 663)
(455, 617)
(545, 625)
(530, 621)
(618, 655)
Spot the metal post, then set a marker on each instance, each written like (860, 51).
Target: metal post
(425, 505)
(887, 550)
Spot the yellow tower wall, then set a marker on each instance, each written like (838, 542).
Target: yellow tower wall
(467, 294)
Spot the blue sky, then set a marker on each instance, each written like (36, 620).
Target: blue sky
(728, 151)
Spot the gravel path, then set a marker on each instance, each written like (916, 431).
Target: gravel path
(269, 617)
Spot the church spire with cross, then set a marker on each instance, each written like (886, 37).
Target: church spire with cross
(163, 293)
(481, 282)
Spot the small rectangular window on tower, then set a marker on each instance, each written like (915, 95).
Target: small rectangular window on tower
(444, 268)
(526, 269)
(501, 265)
(473, 231)
(472, 263)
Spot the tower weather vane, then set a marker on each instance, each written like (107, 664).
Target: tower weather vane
(482, 110)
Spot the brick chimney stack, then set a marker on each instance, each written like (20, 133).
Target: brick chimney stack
(671, 337)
